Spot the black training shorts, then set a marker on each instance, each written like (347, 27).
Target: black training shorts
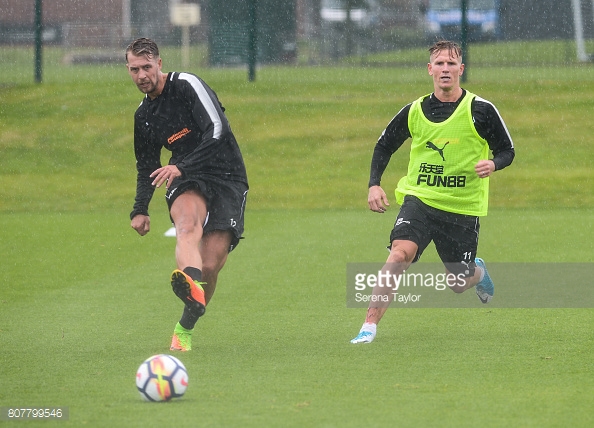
(455, 235)
(225, 201)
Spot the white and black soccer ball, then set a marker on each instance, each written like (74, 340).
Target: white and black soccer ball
(161, 378)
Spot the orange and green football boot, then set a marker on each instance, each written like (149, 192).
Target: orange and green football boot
(182, 339)
(189, 291)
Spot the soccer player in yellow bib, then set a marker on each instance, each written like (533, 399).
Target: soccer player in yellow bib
(446, 188)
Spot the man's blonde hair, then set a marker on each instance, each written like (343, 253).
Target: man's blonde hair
(453, 49)
(143, 46)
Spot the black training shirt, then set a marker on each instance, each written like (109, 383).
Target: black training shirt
(187, 119)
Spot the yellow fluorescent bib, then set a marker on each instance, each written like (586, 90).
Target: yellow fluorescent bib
(442, 159)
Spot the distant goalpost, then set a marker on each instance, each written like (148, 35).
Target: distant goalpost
(578, 25)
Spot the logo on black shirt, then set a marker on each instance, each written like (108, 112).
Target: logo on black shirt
(178, 135)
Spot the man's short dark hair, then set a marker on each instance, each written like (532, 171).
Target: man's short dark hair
(446, 45)
(143, 46)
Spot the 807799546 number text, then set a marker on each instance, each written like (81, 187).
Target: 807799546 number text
(26, 412)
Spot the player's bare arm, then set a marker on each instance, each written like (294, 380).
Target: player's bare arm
(377, 199)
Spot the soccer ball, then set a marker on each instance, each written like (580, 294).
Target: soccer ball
(161, 378)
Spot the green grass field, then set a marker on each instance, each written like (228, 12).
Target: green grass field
(84, 300)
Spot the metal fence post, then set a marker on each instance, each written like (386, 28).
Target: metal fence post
(38, 40)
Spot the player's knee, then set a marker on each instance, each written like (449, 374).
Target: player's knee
(188, 226)
(399, 255)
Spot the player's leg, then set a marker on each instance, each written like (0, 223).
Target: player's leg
(223, 231)
(457, 243)
(479, 278)
(410, 236)
(188, 212)
(464, 280)
(402, 254)
(214, 249)
(401, 257)
(220, 234)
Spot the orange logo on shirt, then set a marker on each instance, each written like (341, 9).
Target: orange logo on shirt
(178, 135)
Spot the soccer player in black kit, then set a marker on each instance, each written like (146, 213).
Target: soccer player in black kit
(206, 181)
